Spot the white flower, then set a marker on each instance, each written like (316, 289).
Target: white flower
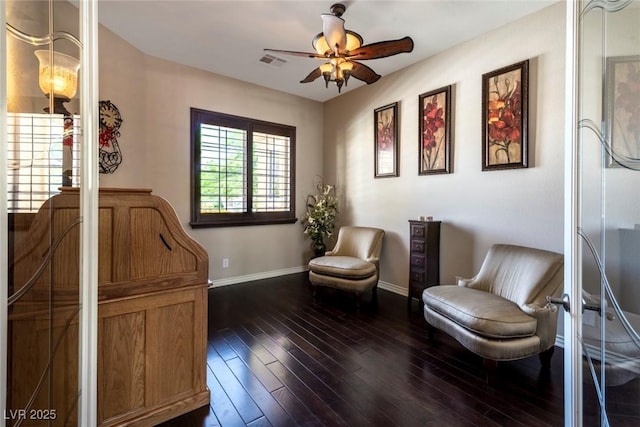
(322, 210)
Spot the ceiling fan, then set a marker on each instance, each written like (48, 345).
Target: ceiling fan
(340, 49)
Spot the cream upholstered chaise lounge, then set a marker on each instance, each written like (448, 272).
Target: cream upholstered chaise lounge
(354, 263)
(502, 313)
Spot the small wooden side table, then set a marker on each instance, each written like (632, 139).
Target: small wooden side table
(424, 257)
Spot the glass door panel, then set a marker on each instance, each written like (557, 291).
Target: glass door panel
(42, 128)
(609, 210)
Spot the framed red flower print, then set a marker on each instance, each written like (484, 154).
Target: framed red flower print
(505, 100)
(434, 116)
(385, 122)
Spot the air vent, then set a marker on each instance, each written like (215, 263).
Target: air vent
(273, 61)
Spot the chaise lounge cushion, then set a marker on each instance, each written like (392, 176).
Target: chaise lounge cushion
(342, 266)
(481, 312)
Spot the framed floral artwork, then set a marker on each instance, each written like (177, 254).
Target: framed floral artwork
(385, 122)
(434, 116)
(505, 100)
(622, 97)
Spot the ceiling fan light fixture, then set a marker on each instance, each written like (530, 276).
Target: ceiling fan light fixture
(337, 47)
(336, 70)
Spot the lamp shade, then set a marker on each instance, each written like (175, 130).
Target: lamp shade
(61, 79)
(327, 67)
(346, 66)
(352, 42)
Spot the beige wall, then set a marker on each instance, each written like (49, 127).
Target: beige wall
(523, 206)
(154, 97)
(477, 208)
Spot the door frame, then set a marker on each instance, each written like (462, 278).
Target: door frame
(572, 265)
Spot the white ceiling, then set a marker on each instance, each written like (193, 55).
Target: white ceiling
(228, 37)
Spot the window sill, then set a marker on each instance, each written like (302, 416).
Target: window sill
(241, 222)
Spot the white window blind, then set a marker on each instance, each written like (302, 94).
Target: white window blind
(223, 175)
(34, 170)
(271, 170)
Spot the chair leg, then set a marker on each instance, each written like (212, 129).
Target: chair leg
(545, 358)
(490, 369)
(410, 304)
(490, 365)
(430, 332)
(358, 301)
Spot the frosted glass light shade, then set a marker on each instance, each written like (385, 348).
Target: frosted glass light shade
(346, 66)
(327, 67)
(319, 43)
(354, 41)
(62, 80)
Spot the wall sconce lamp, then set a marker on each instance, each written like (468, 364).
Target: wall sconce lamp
(57, 77)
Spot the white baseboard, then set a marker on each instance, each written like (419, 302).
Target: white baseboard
(256, 276)
(393, 288)
(285, 271)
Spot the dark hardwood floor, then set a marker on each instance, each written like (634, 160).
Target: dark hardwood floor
(279, 357)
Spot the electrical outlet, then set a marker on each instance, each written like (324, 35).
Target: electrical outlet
(225, 262)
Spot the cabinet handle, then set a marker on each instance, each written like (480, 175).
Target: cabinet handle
(417, 231)
(165, 242)
(417, 260)
(417, 276)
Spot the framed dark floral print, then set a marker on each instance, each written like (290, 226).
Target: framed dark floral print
(435, 131)
(622, 102)
(385, 121)
(505, 99)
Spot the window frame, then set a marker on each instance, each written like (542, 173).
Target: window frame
(201, 220)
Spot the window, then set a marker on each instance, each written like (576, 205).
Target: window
(34, 170)
(242, 171)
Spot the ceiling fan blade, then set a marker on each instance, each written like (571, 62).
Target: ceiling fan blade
(295, 53)
(364, 73)
(312, 76)
(333, 30)
(382, 49)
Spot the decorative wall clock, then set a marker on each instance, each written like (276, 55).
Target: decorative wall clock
(110, 155)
